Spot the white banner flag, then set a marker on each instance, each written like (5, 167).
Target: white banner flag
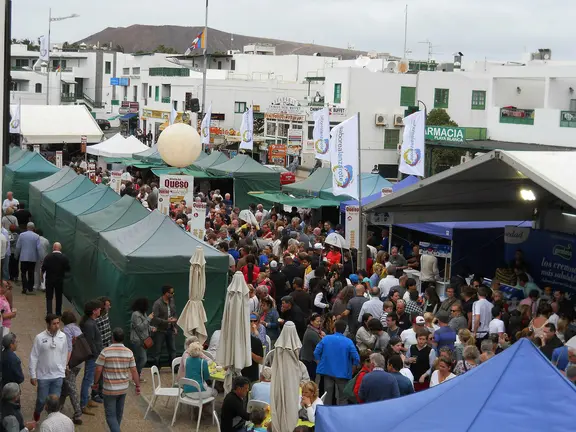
(15, 122)
(247, 130)
(173, 115)
(344, 158)
(59, 158)
(175, 188)
(44, 48)
(37, 148)
(412, 150)
(321, 134)
(205, 128)
(197, 222)
(352, 225)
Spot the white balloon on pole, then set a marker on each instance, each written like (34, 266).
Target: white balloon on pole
(179, 145)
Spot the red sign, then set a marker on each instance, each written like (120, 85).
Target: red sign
(277, 154)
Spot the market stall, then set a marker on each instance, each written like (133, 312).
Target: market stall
(19, 174)
(319, 180)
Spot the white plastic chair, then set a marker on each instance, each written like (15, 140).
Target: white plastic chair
(158, 390)
(210, 356)
(185, 399)
(216, 421)
(175, 362)
(323, 397)
(268, 358)
(256, 404)
(269, 342)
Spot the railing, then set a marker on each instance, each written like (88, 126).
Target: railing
(169, 72)
(166, 100)
(568, 119)
(517, 116)
(70, 97)
(92, 102)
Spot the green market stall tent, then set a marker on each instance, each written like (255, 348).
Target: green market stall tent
(371, 184)
(19, 174)
(36, 188)
(319, 180)
(248, 176)
(135, 261)
(213, 159)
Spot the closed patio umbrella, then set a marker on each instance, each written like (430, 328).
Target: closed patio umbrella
(335, 239)
(285, 381)
(193, 316)
(234, 351)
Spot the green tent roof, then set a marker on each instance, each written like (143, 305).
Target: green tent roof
(16, 155)
(213, 159)
(152, 156)
(284, 199)
(29, 168)
(36, 188)
(319, 180)
(191, 170)
(371, 184)
(242, 166)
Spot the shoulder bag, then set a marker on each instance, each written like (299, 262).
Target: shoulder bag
(147, 343)
(80, 351)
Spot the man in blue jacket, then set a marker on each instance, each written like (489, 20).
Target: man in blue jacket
(336, 355)
(378, 385)
(11, 364)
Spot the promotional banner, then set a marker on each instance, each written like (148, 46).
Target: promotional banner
(352, 225)
(550, 257)
(205, 127)
(175, 188)
(412, 150)
(15, 122)
(344, 158)
(196, 224)
(59, 158)
(247, 130)
(173, 115)
(44, 48)
(277, 154)
(37, 148)
(321, 134)
(116, 181)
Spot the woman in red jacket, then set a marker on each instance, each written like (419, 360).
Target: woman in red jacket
(366, 368)
(250, 270)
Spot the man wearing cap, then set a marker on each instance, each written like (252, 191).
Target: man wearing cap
(28, 250)
(11, 364)
(374, 306)
(409, 336)
(388, 282)
(445, 336)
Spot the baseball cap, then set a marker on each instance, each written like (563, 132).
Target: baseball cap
(419, 320)
(273, 264)
(318, 246)
(353, 278)
(253, 317)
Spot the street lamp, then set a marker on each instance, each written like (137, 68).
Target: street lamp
(50, 20)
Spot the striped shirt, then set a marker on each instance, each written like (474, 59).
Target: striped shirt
(116, 361)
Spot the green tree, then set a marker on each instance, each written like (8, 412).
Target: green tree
(165, 50)
(443, 157)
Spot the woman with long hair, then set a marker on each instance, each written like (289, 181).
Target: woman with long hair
(442, 373)
(342, 299)
(464, 339)
(432, 302)
(140, 330)
(69, 388)
(538, 323)
(250, 270)
(328, 325)
(320, 294)
(395, 347)
(269, 318)
(312, 337)
(365, 340)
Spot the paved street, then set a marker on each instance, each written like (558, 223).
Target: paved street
(30, 321)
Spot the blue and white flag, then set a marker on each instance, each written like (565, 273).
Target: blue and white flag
(44, 48)
(321, 134)
(344, 147)
(205, 127)
(412, 150)
(15, 121)
(247, 130)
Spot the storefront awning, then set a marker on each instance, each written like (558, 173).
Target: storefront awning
(128, 116)
(289, 200)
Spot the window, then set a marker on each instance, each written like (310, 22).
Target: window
(136, 71)
(108, 68)
(157, 93)
(337, 93)
(175, 104)
(13, 86)
(125, 71)
(149, 91)
(239, 107)
(38, 88)
(478, 100)
(441, 98)
(219, 65)
(233, 65)
(407, 96)
(20, 63)
(391, 139)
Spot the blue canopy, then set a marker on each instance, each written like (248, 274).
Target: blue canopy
(408, 181)
(372, 185)
(446, 229)
(519, 389)
(128, 116)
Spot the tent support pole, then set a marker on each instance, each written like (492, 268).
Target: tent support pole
(361, 259)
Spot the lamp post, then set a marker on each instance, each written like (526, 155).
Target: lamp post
(50, 20)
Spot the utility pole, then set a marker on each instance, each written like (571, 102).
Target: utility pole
(405, 31)
(204, 72)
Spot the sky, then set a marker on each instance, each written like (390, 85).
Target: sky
(492, 29)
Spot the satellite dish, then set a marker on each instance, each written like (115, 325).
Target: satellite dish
(391, 67)
(362, 61)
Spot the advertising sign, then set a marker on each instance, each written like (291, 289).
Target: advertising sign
(352, 225)
(550, 256)
(386, 191)
(116, 181)
(277, 154)
(114, 81)
(197, 220)
(445, 134)
(438, 250)
(129, 107)
(175, 188)
(59, 158)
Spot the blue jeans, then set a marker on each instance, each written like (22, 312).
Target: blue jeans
(87, 381)
(47, 387)
(114, 408)
(140, 356)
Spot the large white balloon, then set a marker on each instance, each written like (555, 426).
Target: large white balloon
(179, 145)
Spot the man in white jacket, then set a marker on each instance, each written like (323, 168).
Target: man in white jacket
(48, 360)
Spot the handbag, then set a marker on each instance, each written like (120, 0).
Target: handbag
(349, 388)
(147, 343)
(81, 351)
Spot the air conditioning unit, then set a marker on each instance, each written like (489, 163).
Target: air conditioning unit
(398, 120)
(381, 120)
(391, 67)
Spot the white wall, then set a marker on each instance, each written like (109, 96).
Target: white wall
(505, 92)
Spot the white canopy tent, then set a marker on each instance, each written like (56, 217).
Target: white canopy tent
(117, 147)
(492, 187)
(57, 124)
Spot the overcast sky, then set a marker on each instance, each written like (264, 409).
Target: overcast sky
(496, 29)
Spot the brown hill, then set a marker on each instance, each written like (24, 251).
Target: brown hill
(147, 38)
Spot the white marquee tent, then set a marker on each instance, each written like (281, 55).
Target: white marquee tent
(118, 147)
(57, 124)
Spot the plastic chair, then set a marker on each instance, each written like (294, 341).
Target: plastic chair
(175, 362)
(216, 421)
(256, 404)
(158, 390)
(269, 342)
(269, 357)
(187, 400)
(210, 356)
(323, 397)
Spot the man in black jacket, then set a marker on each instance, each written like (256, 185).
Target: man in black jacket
(94, 339)
(291, 270)
(55, 265)
(279, 280)
(11, 364)
(233, 416)
(291, 312)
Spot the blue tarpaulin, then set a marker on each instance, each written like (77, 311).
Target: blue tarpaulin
(519, 389)
(128, 116)
(408, 181)
(446, 229)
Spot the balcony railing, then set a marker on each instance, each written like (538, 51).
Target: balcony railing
(568, 119)
(517, 116)
(70, 97)
(166, 100)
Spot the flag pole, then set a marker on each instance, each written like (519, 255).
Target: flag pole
(360, 258)
(48, 67)
(205, 37)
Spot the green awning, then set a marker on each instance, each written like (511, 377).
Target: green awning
(311, 186)
(198, 173)
(284, 199)
(133, 162)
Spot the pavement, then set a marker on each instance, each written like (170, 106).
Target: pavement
(30, 321)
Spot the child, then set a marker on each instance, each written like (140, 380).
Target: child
(388, 307)
(257, 417)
